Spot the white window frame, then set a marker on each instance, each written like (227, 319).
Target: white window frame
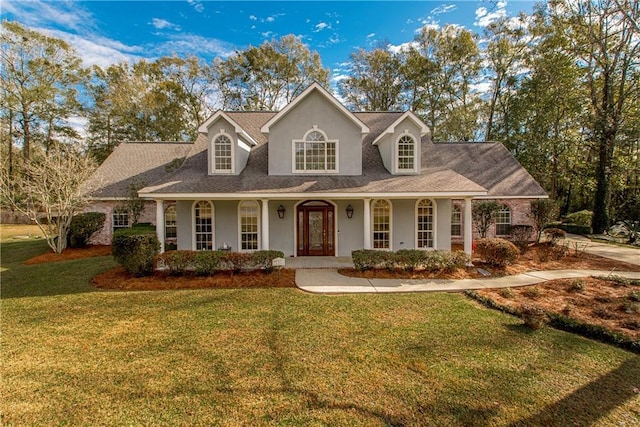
(212, 154)
(194, 233)
(396, 153)
(433, 224)
(119, 213)
(500, 216)
(304, 142)
(170, 210)
(456, 212)
(373, 224)
(258, 229)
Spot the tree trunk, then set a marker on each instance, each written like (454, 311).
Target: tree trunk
(601, 201)
(10, 147)
(27, 137)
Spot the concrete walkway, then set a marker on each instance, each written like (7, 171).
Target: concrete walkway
(620, 253)
(329, 281)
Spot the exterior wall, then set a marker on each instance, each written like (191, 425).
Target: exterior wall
(103, 237)
(226, 224)
(183, 224)
(387, 145)
(281, 234)
(403, 220)
(315, 110)
(240, 153)
(350, 230)
(443, 224)
(519, 216)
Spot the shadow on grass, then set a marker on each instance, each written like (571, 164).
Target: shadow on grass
(592, 401)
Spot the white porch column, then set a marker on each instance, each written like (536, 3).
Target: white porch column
(160, 223)
(468, 230)
(367, 223)
(265, 225)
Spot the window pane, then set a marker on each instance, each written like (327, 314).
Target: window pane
(424, 223)
(222, 153)
(249, 212)
(503, 221)
(204, 226)
(406, 149)
(456, 221)
(381, 224)
(170, 223)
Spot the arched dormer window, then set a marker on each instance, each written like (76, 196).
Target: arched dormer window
(222, 153)
(406, 153)
(315, 153)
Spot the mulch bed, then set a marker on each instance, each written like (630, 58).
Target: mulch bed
(118, 278)
(590, 300)
(71, 253)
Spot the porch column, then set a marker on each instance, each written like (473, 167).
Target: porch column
(160, 223)
(367, 223)
(265, 225)
(468, 230)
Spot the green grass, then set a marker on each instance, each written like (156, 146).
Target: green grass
(74, 355)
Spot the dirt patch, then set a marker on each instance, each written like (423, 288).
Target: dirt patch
(118, 278)
(606, 303)
(71, 253)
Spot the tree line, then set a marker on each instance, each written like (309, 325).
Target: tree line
(558, 87)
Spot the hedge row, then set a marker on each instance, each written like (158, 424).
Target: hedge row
(572, 228)
(408, 259)
(204, 263)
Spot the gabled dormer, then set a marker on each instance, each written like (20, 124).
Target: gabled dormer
(315, 135)
(228, 145)
(400, 144)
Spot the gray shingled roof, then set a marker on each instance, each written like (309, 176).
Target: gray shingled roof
(141, 163)
(446, 168)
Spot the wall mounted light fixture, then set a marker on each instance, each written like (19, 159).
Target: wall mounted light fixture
(349, 211)
(281, 211)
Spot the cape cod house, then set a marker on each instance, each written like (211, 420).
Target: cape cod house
(313, 179)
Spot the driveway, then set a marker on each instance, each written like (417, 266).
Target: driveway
(620, 253)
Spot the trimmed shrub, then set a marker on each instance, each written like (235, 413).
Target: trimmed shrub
(135, 249)
(574, 228)
(520, 235)
(409, 260)
(82, 227)
(205, 263)
(366, 259)
(554, 234)
(176, 262)
(497, 252)
(533, 316)
(264, 259)
(582, 218)
(541, 212)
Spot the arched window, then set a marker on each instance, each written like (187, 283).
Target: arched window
(425, 224)
(456, 221)
(249, 214)
(203, 226)
(315, 153)
(222, 154)
(120, 219)
(503, 221)
(381, 224)
(406, 153)
(170, 223)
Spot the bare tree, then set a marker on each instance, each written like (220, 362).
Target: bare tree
(49, 191)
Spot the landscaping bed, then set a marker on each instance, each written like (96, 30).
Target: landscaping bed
(71, 253)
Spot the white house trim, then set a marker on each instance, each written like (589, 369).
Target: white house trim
(204, 128)
(212, 150)
(416, 154)
(307, 196)
(390, 248)
(424, 129)
(304, 141)
(315, 87)
(434, 223)
(259, 221)
(193, 223)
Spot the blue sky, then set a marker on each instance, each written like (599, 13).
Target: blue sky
(105, 32)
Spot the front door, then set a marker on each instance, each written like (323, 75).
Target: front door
(316, 229)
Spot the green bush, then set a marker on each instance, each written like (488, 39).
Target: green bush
(206, 263)
(582, 218)
(554, 234)
(533, 316)
(82, 228)
(574, 228)
(176, 262)
(135, 249)
(497, 252)
(409, 260)
(264, 259)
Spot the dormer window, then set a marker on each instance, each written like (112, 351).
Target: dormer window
(315, 153)
(222, 154)
(406, 153)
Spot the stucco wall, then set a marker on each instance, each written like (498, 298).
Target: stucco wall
(240, 153)
(386, 146)
(315, 110)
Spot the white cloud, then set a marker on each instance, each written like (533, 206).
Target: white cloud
(402, 47)
(253, 17)
(162, 24)
(267, 34)
(39, 13)
(321, 26)
(197, 5)
(371, 35)
(485, 17)
(444, 9)
(270, 19)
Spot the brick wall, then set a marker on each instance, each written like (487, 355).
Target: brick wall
(519, 216)
(103, 237)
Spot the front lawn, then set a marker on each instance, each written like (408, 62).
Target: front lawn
(72, 354)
